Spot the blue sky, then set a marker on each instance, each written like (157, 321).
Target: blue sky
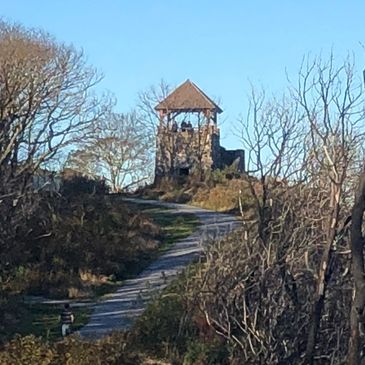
(220, 45)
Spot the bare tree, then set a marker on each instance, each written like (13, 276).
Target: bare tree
(287, 273)
(273, 135)
(242, 276)
(256, 293)
(46, 104)
(331, 98)
(147, 100)
(118, 151)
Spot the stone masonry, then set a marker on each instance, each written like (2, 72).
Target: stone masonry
(184, 148)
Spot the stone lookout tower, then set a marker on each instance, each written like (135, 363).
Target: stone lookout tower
(188, 135)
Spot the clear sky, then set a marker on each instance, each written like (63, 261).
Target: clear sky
(221, 45)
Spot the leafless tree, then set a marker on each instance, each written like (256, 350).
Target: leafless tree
(331, 98)
(46, 104)
(147, 100)
(243, 275)
(287, 274)
(118, 151)
(273, 135)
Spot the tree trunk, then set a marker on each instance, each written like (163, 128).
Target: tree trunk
(358, 303)
(323, 278)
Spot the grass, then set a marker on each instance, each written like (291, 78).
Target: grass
(174, 226)
(108, 287)
(43, 320)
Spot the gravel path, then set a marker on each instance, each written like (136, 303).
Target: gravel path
(118, 310)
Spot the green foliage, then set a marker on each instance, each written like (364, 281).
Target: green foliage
(173, 227)
(168, 328)
(220, 191)
(79, 184)
(160, 324)
(28, 350)
(110, 350)
(206, 353)
(216, 177)
(110, 238)
(165, 328)
(43, 320)
(36, 318)
(80, 233)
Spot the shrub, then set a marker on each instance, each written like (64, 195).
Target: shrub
(78, 184)
(172, 327)
(206, 353)
(159, 327)
(28, 350)
(80, 233)
(225, 196)
(31, 350)
(176, 196)
(219, 191)
(111, 350)
(166, 327)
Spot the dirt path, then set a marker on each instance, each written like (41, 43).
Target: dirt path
(118, 310)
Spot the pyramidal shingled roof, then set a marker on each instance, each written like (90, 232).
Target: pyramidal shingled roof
(188, 97)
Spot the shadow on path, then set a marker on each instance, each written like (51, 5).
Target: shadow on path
(117, 311)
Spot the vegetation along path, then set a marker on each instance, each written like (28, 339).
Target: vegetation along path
(119, 309)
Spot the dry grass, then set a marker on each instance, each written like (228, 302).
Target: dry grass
(223, 197)
(219, 194)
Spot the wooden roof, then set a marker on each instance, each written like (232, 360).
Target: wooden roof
(186, 98)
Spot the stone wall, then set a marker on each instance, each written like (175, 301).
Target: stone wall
(228, 157)
(191, 150)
